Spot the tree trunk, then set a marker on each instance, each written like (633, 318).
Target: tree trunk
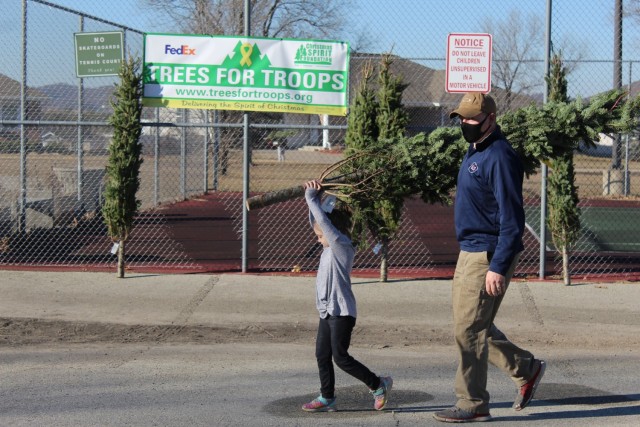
(273, 197)
(278, 196)
(384, 262)
(565, 266)
(121, 259)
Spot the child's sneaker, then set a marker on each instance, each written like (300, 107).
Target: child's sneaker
(381, 395)
(320, 404)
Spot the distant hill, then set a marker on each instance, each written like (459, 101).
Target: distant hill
(62, 96)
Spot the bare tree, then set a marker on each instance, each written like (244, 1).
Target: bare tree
(632, 9)
(269, 18)
(517, 52)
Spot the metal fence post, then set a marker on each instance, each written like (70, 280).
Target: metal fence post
(205, 168)
(543, 166)
(22, 214)
(156, 154)
(627, 173)
(183, 155)
(616, 150)
(216, 148)
(79, 138)
(245, 161)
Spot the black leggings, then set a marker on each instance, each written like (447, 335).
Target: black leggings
(334, 338)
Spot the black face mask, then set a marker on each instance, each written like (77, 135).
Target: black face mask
(472, 133)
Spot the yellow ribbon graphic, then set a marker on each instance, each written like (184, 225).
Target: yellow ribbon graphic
(245, 51)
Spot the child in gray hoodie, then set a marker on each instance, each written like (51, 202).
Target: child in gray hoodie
(336, 304)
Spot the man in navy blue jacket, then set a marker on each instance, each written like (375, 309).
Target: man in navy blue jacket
(489, 221)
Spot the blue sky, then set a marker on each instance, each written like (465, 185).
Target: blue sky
(413, 29)
(403, 22)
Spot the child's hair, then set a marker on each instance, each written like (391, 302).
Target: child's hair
(340, 217)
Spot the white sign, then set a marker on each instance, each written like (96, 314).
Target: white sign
(469, 63)
(246, 73)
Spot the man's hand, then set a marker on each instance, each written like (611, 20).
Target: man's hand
(495, 284)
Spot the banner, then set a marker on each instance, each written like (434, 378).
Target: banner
(246, 73)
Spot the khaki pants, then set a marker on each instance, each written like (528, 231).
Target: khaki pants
(477, 338)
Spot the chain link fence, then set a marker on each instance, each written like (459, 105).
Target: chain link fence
(53, 156)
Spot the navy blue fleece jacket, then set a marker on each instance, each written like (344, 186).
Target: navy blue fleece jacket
(489, 215)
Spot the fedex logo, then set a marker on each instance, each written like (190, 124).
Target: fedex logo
(182, 50)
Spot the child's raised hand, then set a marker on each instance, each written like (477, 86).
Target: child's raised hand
(313, 184)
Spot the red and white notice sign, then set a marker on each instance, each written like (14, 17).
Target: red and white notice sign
(468, 63)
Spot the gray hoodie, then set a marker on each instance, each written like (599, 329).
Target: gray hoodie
(333, 283)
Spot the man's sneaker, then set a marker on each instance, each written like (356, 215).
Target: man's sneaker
(381, 394)
(320, 404)
(457, 415)
(526, 392)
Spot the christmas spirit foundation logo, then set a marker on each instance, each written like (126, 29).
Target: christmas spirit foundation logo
(314, 53)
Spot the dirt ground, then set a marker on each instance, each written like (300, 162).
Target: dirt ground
(16, 332)
(20, 332)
